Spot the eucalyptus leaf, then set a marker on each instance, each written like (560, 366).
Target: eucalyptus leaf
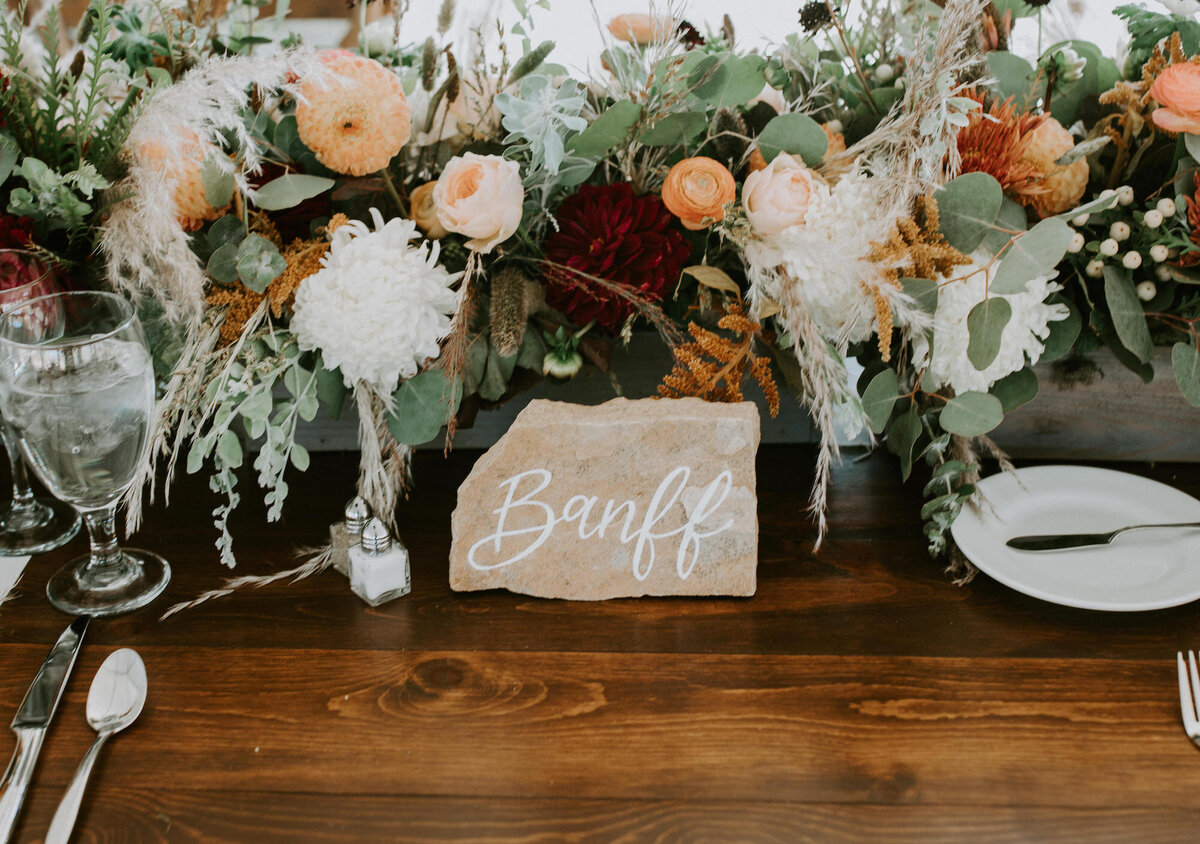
(1021, 387)
(972, 414)
(879, 398)
(423, 404)
(290, 190)
(299, 457)
(228, 229)
(222, 264)
(1082, 150)
(1063, 332)
(1013, 76)
(1128, 317)
(218, 183)
(967, 209)
(1185, 359)
(1092, 206)
(902, 436)
(331, 390)
(924, 291)
(1011, 218)
(1035, 253)
(532, 353)
(795, 134)
(733, 82)
(985, 328)
(675, 129)
(258, 262)
(496, 375)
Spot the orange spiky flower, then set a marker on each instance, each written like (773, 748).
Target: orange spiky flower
(993, 142)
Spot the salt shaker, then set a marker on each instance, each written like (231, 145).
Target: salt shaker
(344, 535)
(379, 566)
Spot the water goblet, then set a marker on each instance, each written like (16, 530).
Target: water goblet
(30, 525)
(77, 382)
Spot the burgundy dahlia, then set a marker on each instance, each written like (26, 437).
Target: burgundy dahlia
(608, 232)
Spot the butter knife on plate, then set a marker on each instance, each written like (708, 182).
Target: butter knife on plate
(33, 719)
(1063, 541)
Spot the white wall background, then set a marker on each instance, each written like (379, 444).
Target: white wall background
(571, 24)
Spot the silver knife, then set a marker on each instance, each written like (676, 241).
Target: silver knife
(33, 719)
(1061, 541)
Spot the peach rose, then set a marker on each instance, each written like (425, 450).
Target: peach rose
(422, 210)
(480, 197)
(779, 197)
(697, 191)
(1177, 90)
(640, 29)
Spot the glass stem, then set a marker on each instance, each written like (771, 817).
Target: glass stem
(102, 532)
(22, 492)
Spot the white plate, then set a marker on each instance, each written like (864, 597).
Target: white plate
(1140, 570)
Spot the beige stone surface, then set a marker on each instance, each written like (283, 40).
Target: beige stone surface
(628, 498)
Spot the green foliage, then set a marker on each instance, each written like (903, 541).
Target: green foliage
(1148, 28)
(971, 414)
(1185, 360)
(608, 131)
(287, 191)
(56, 201)
(1125, 309)
(539, 118)
(795, 134)
(967, 209)
(677, 129)
(879, 398)
(244, 395)
(1014, 76)
(258, 262)
(1021, 387)
(422, 406)
(985, 326)
(1032, 254)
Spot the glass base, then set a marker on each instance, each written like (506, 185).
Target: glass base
(139, 579)
(41, 526)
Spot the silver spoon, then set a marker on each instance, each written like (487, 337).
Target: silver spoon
(114, 702)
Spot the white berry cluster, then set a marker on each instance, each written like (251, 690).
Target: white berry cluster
(1132, 240)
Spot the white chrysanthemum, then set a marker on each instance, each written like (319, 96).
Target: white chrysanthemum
(820, 265)
(1023, 338)
(379, 306)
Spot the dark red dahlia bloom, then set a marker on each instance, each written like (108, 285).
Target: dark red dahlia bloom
(15, 232)
(608, 232)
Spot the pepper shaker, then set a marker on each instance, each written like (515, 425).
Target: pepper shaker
(345, 534)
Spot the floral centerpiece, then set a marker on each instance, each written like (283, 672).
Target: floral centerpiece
(419, 229)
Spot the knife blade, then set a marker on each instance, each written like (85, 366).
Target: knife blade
(33, 719)
(1058, 541)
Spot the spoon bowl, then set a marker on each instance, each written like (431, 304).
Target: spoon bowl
(115, 700)
(118, 692)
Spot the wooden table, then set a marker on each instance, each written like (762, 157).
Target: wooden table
(860, 696)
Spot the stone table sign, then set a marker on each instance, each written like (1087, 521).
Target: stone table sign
(630, 498)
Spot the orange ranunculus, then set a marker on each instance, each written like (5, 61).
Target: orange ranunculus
(640, 29)
(697, 191)
(423, 211)
(1177, 91)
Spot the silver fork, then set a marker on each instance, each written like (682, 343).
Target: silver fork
(1189, 695)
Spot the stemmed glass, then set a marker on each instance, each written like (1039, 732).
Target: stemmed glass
(30, 525)
(77, 382)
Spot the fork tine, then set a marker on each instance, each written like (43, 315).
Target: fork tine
(1195, 675)
(1187, 705)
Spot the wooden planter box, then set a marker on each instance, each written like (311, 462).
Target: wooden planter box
(1095, 409)
(1087, 409)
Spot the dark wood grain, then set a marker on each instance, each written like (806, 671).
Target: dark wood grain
(860, 696)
